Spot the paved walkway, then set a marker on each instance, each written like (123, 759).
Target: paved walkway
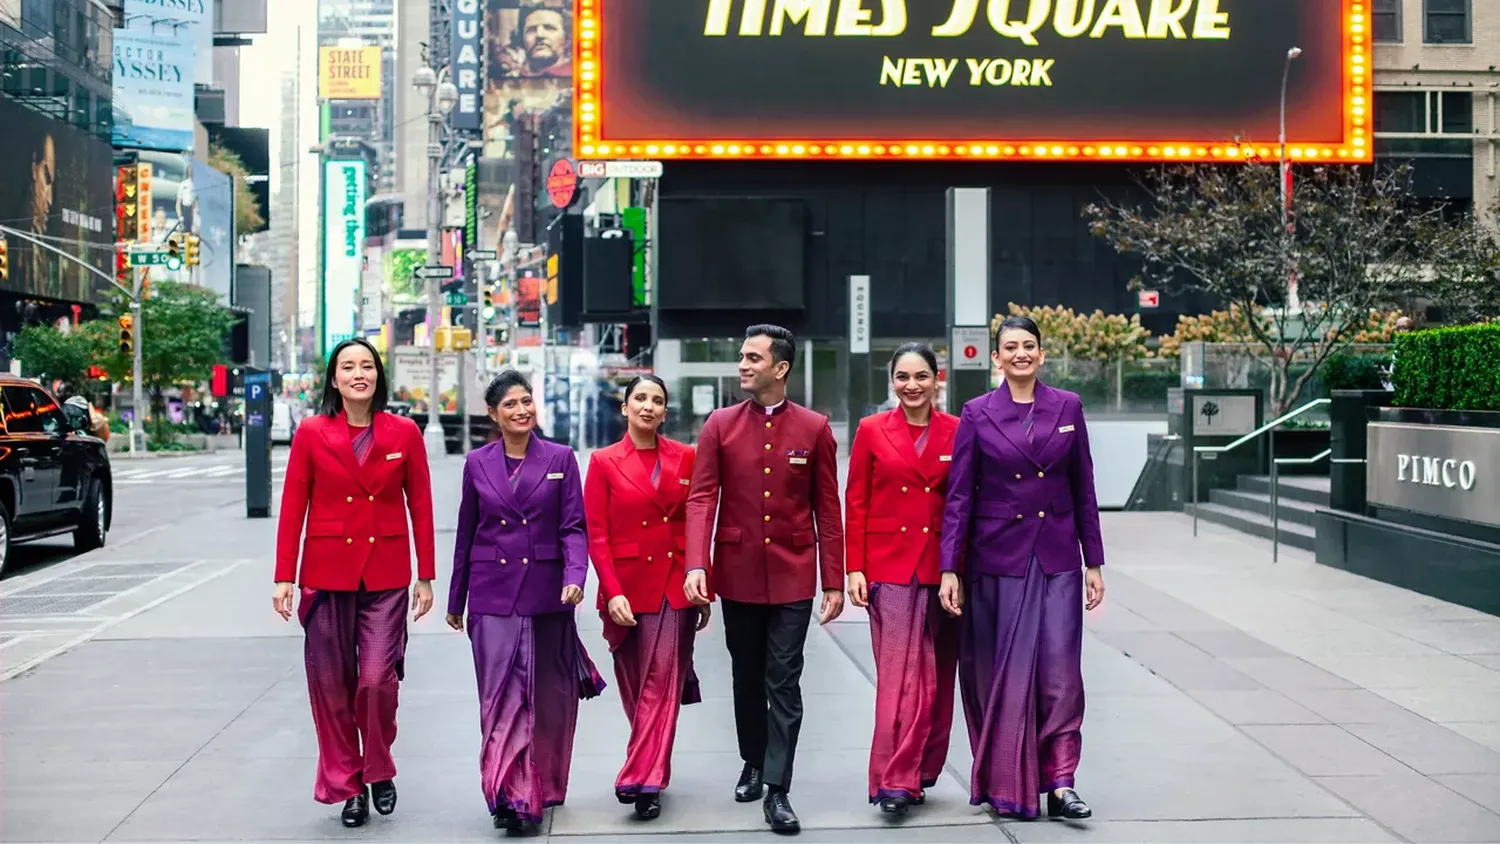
(1230, 700)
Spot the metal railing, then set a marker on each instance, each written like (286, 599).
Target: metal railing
(1275, 490)
(1269, 429)
(1149, 475)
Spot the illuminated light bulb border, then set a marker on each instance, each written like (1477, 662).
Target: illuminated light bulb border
(588, 121)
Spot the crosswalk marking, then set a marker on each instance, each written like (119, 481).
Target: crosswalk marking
(220, 471)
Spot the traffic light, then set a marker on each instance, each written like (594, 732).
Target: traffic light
(487, 305)
(127, 338)
(174, 252)
(190, 255)
(4, 258)
(122, 265)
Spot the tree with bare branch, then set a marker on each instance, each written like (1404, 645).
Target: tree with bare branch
(1359, 243)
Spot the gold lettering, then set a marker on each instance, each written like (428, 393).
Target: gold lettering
(913, 74)
(1166, 16)
(1039, 72)
(1022, 77)
(890, 71)
(1025, 32)
(853, 18)
(813, 14)
(1072, 21)
(718, 17)
(1210, 23)
(960, 21)
(939, 71)
(976, 69)
(893, 19)
(1122, 13)
(998, 72)
(753, 17)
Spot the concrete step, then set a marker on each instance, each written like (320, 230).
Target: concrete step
(1310, 489)
(1290, 509)
(1292, 534)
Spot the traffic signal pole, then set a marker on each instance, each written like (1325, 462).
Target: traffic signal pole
(137, 400)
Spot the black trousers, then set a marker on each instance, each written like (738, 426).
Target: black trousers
(765, 653)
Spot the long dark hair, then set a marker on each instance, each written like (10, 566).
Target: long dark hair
(635, 382)
(922, 350)
(333, 403)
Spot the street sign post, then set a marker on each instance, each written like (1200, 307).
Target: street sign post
(154, 258)
(258, 412)
(433, 272)
(455, 299)
(482, 254)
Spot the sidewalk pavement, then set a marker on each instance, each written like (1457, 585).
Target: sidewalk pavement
(1230, 700)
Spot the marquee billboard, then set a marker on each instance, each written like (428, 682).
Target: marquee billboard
(343, 248)
(1140, 80)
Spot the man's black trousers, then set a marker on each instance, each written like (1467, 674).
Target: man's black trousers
(765, 651)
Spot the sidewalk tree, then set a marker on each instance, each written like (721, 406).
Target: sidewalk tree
(49, 354)
(183, 331)
(1361, 243)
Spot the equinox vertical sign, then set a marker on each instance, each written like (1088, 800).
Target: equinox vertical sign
(467, 66)
(343, 248)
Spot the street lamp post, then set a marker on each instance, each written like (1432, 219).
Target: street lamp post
(441, 96)
(1286, 184)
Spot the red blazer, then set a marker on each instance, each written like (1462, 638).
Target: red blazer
(772, 482)
(888, 478)
(355, 514)
(637, 532)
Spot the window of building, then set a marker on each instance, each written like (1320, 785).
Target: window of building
(1385, 18)
(1424, 113)
(1446, 22)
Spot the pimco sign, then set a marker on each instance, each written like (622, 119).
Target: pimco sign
(343, 248)
(1435, 470)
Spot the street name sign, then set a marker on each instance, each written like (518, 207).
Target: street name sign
(482, 254)
(456, 299)
(154, 258)
(433, 272)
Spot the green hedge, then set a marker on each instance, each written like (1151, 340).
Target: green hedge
(1455, 368)
(1354, 372)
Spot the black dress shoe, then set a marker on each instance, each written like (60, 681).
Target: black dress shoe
(356, 810)
(648, 805)
(779, 814)
(894, 805)
(383, 796)
(751, 786)
(1068, 805)
(505, 817)
(521, 828)
(626, 798)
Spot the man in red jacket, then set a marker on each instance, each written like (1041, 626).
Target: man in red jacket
(767, 468)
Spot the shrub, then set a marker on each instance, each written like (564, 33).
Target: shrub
(1354, 372)
(1455, 368)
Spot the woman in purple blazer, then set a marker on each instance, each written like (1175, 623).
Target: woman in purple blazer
(1021, 549)
(519, 563)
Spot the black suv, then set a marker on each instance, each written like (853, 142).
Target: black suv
(54, 474)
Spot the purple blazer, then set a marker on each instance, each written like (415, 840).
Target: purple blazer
(516, 549)
(1009, 498)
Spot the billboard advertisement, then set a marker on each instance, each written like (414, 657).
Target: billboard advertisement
(166, 47)
(466, 45)
(213, 223)
(59, 188)
(1005, 79)
(349, 73)
(344, 185)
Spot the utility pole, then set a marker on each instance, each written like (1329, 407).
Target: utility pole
(441, 95)
(137, 394)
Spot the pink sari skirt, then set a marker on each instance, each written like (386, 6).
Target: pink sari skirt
(916, 656)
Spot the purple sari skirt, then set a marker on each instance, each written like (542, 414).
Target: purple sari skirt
(916, 654)
(532, 671)
(1021, 678)
(654, 671)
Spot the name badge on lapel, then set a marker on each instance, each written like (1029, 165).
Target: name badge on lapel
(797, 456)
(683, 481)
(554, 476)
(945, 458)
(1065, 429)
(395, 455)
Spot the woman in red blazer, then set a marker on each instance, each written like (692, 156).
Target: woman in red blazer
(898, 477)
(634, 495)
(354, 473)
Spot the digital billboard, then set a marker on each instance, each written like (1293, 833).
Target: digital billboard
(343, 248)
(1141, 80)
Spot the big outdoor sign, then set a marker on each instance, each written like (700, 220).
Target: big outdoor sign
(1152, 80)
(1436, 470)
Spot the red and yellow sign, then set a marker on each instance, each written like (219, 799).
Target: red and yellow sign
(349, 73)
(1108, 80)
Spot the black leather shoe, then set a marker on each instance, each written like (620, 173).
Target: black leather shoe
(779, 814)
(521, 828)
(648, 806)
(383, 796)
(356, 810)
(1068, 805)
(504, 817)
(751, 786)
(894, 805)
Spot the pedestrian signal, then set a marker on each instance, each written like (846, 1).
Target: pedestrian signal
(127, 334)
